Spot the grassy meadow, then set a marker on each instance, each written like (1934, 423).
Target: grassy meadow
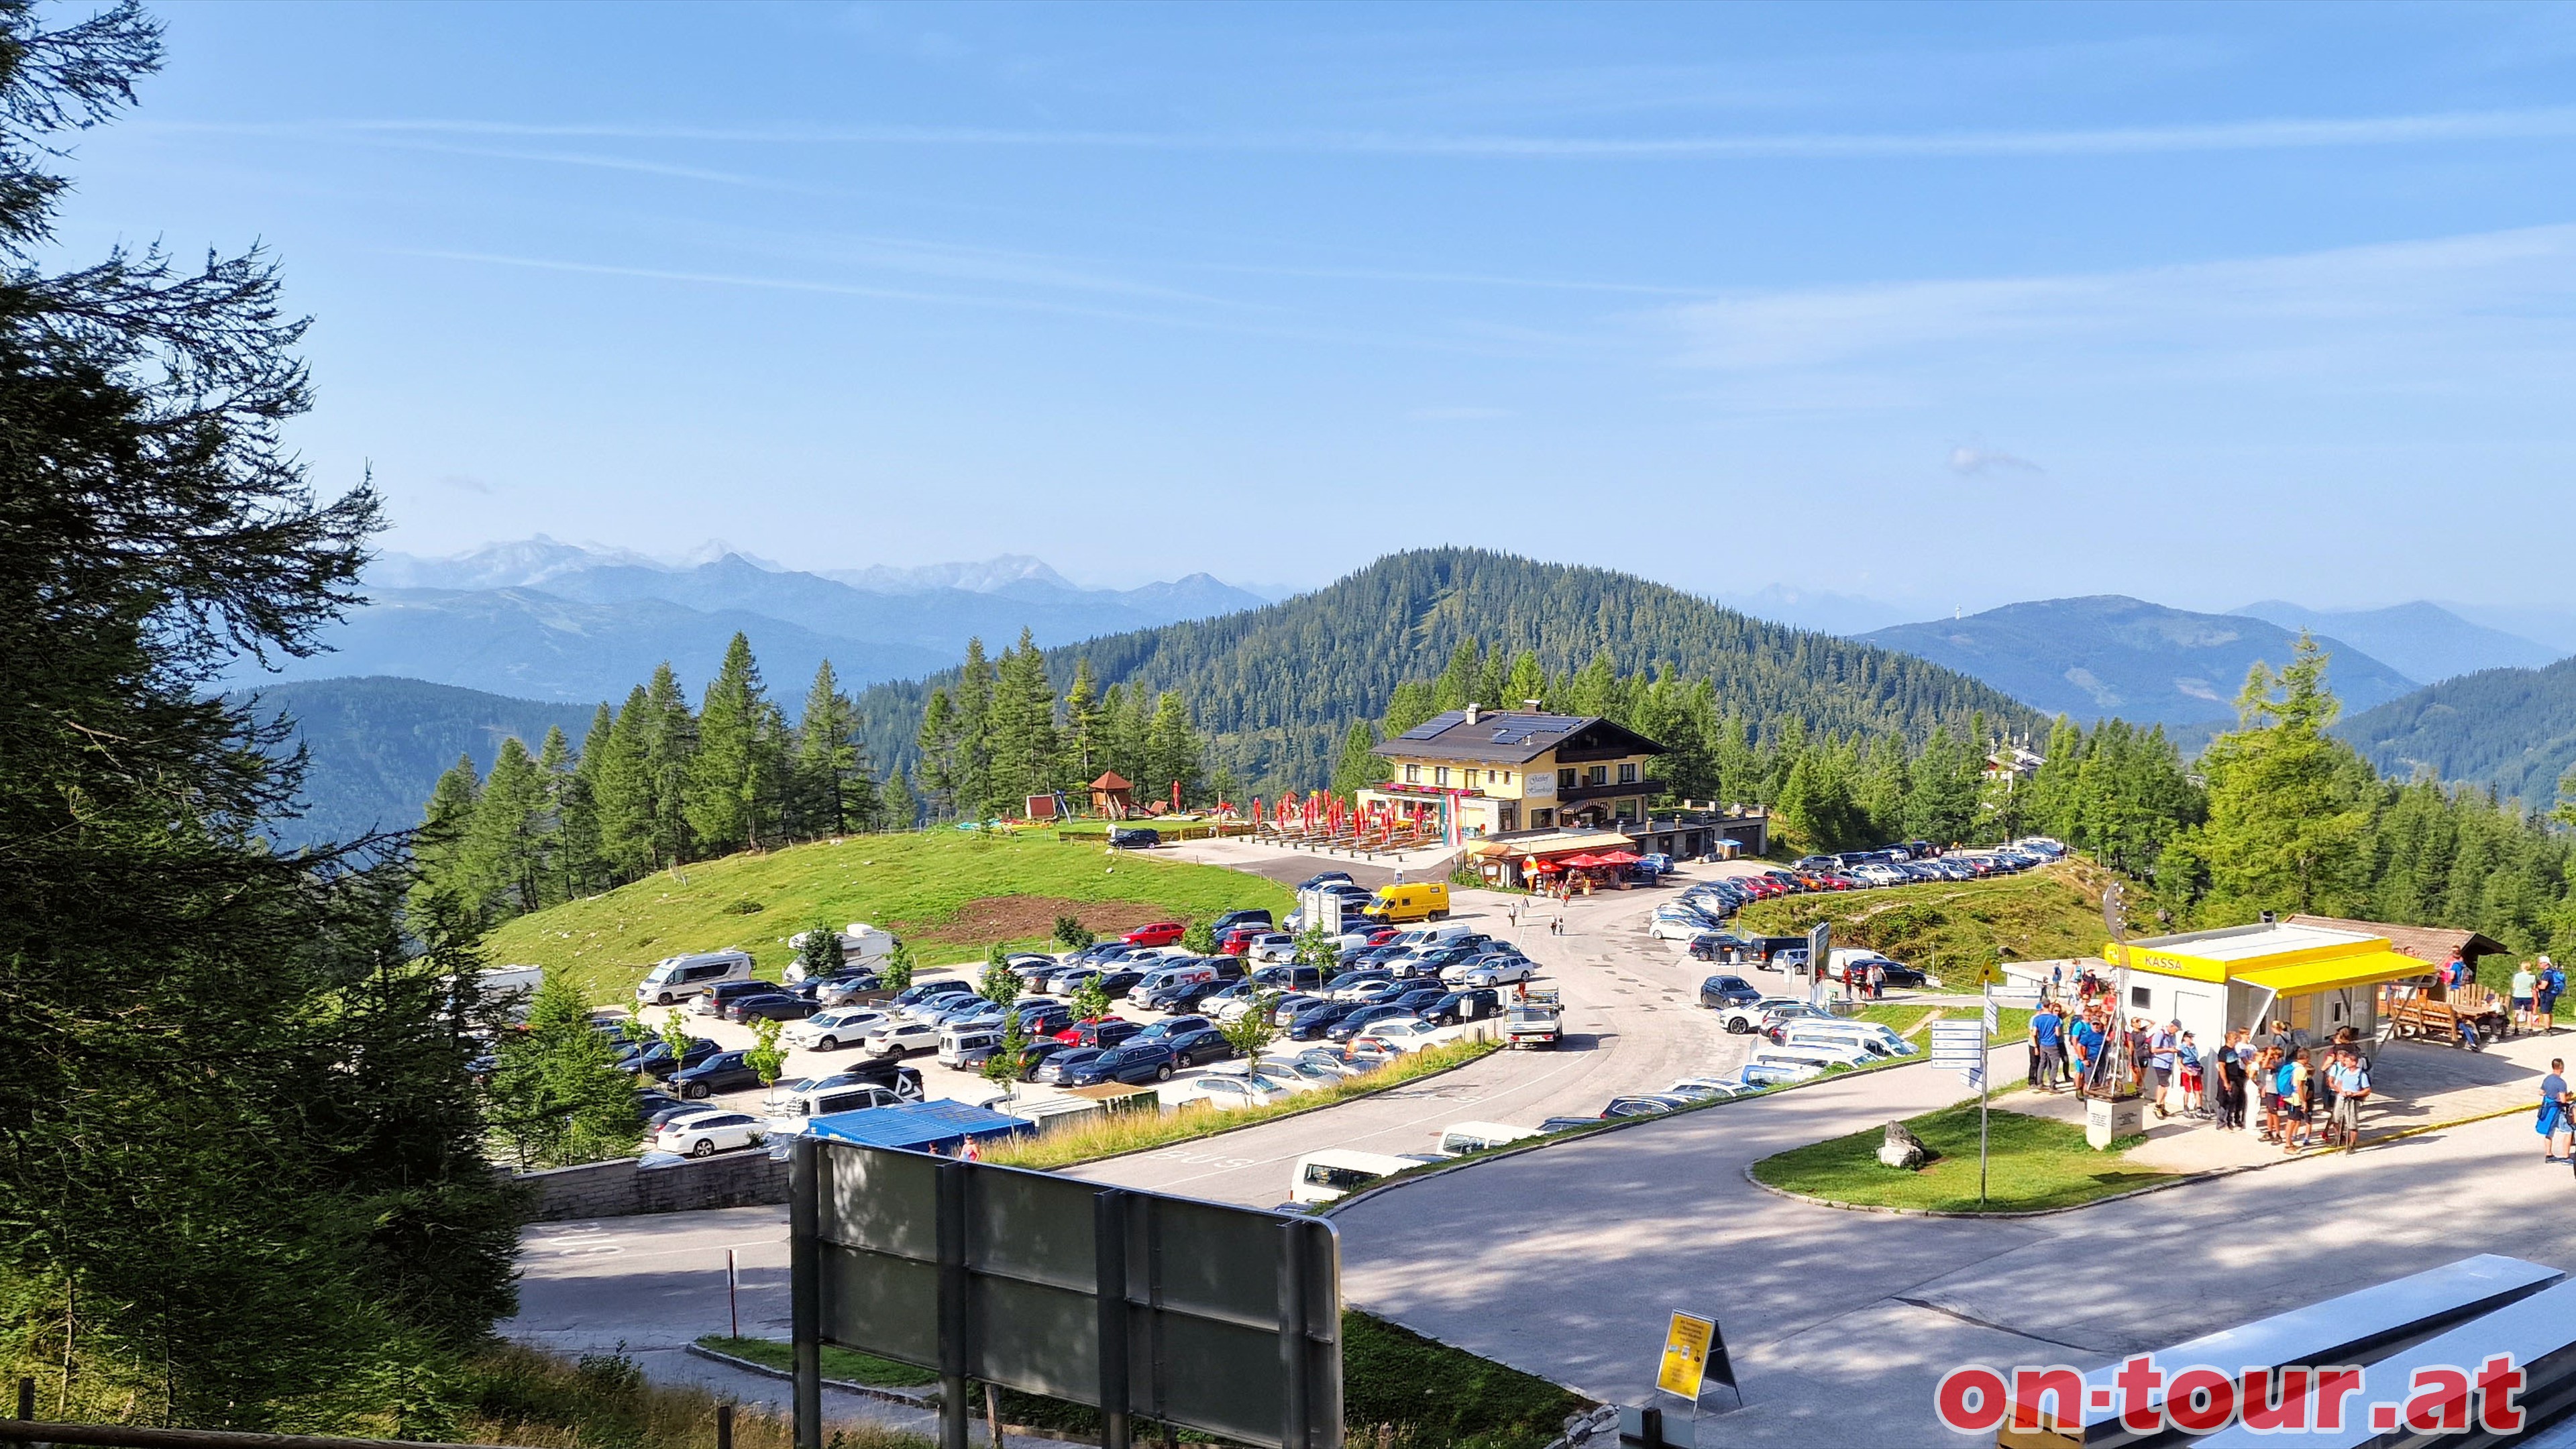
(1953, 927)
(949, 894)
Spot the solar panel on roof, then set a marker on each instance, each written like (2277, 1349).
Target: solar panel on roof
(1430, 731)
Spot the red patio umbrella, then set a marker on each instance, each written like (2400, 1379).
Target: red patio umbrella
(1619, 857)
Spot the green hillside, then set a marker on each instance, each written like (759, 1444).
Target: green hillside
(2513, 730)
(948, 894)
(1274, 688)
(1952, 928)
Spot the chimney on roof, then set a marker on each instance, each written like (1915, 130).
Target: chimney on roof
(1531, 705)
(1472, 711)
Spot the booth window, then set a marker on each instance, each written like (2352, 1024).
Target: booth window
(2138, 997)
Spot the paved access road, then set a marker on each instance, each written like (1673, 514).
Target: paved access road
(1564, 1262)
(1632, 1022)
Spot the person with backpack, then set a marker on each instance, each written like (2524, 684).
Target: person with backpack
(2187, 1062)
(2351, 1083)
(2232, 1060)
(2047, 1047)
(2293, 1083)
(2552, 1122)
(2160, 1065)
(2544, 996)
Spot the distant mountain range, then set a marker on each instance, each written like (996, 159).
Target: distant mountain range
(541, 619)
(2419, 640)
(1849, 615)
(2109, 655)
(2513, 730)
(377, 746)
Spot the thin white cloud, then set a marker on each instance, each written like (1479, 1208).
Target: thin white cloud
(1970, 461)
(2497, 307)
(2272, 134)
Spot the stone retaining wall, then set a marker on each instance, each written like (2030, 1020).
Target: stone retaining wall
(620, 1188)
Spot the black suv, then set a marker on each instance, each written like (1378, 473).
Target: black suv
(1719, 991)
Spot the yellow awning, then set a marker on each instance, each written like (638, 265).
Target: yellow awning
(2339, 971)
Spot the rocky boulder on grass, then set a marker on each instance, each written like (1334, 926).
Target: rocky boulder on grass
(1902, 1149)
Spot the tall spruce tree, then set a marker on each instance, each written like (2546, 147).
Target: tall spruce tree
(1025, 750)
(581, 857)
(1081, 724)
(503, 861)
(834, 792)
(204, 1213)
(620, 768)
(670, 745)
(732, 800)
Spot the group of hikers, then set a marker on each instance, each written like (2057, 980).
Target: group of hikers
(2294, 1084)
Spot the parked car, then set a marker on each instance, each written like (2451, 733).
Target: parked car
(723, 1072)
(1359, 1020)
(1042, 1018)
(714, 1000)
(1108, 1031)
(668, 1111)
(1457, 1006)
(1749, 1016)
(836, 1027)
(1067, 1057)
(1181, 996)
(1226, 1089)
(900, 1039)
(1646, 1105)
(653, 1058)
(1038, 1053)
(838, 989)
(1677, 927)
(1254, 916)
(1352, 985)
(1170, 1027)
(1496, 971)
(1134, 838)
(1160, 933)
(1271, 948)
(1724, 991)
(703, 1134)
(1288, 1008)
(1136, 1063)
(775, 1006)
(1323, 878)
(1312, 1023)
(1200, 1045)
(677, 978)
(1404, 1033)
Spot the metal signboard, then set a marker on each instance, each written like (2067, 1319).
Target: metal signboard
(1820, 954)
(1685, 1356)
(1219, 1318)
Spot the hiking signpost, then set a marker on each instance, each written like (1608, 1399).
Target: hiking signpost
(1961, 1046)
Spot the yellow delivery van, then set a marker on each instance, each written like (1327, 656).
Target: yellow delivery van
(1413, 901)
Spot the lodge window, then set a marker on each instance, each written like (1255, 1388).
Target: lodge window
(1627, 774)
(1507, 777)
(1597, 775)
(1565, 779)
(1440, 775)
(1413, 774)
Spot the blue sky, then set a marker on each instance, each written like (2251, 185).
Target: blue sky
(1949, 305)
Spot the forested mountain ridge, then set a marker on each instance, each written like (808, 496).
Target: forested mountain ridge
(377, 744)
(1275, 688)
(2511, 730)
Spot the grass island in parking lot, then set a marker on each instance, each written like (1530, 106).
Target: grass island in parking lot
(948, 893)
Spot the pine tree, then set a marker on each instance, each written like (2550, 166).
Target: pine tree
(670, 740)
(1082, 723)
(2287, 812)
(440, 841)
(581, 863)
(902, 808)
(835, 794)
(1410, 705)
(974, 704)
(1025, 750)
(557, 1095)
(938, 743)
(621, 775)
(1178, 756)
(732, 800)
(1457, 683)
(502, 865)
(1528, 682)
(1360, 766)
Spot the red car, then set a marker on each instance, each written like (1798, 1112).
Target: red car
(1106, 1031)
(1239, 940)
(1161, 933)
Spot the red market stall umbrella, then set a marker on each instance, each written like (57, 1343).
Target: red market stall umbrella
(1586, 861)
(1619, 857)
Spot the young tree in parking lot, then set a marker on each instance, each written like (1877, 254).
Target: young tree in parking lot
(1319, 947)
(1090, 1000)
(673, 1033)
(896, 973)
(999, 982)
(820, 951)
(556, 1093)
(766, 1058)
(1252, 1033)
(1003, 1066)
(1071, 934)
(1200, 938)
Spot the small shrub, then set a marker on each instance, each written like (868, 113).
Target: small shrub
(1072, 934)
(744, 908)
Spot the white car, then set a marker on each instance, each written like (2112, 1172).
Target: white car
(1705, 1087)
(1291, 1004)
(703, 1134)
(1273, 953)
(1226, 1089)
(1674, 928)
(1748, 1016)
(1495, 971)
(902, 1038)
(1404, 1036)
(1317, 1068)
(1880, 875)
(1352, 988)
(827, 1031)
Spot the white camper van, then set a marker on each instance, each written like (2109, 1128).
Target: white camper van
(861, 945)
(677, 978)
